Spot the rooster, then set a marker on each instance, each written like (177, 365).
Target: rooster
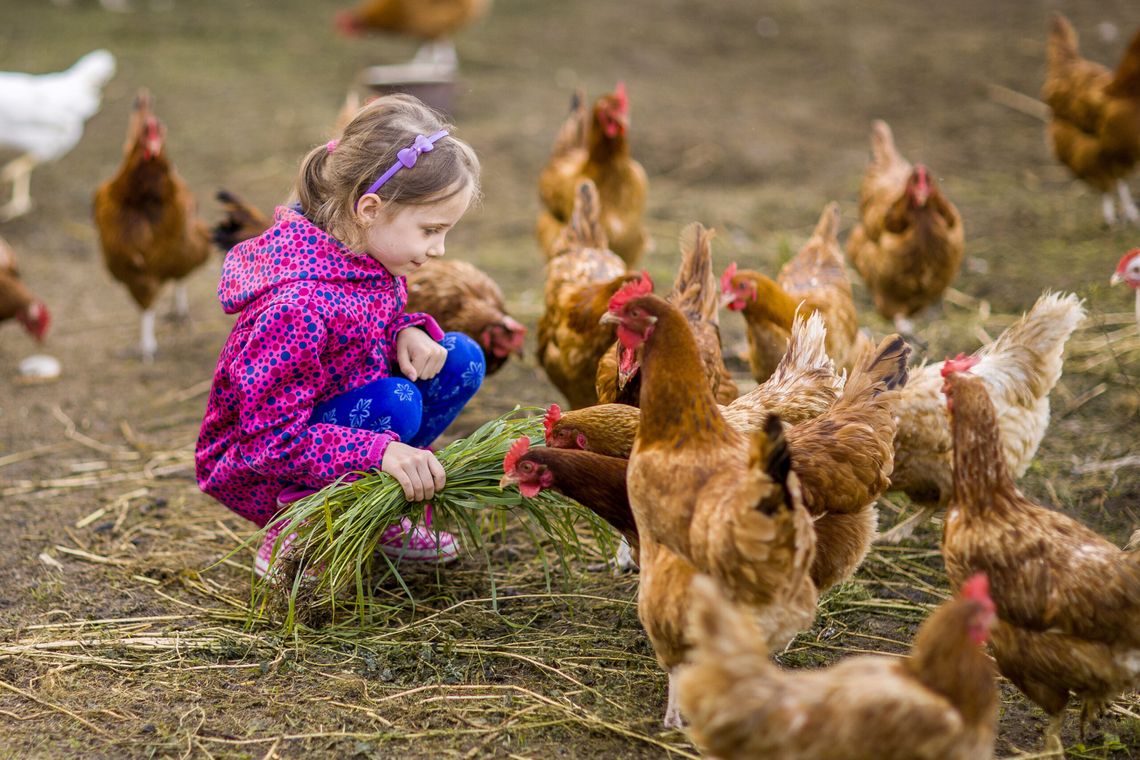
(1128, 272)
(1068, 601)
(1095, 124)
(593, 145)
(147, 221)
(580, 278)
(940, 703)
(16, 301)
(908, 244)
(814, 278)
(42, 116)
(433, 21)
(1020, 369)
(726, 502)
(696, 294)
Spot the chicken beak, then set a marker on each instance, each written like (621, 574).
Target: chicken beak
(1116, 279)
(609, 318)
(507, 480)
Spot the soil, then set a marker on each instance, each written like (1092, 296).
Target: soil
(124, 604)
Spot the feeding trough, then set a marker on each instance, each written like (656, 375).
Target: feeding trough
(433, 83)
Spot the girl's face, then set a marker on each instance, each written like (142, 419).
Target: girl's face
(403, 237)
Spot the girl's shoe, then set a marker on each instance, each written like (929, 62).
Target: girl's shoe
(418, 543)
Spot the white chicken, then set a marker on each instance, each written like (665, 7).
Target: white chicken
(42, 115)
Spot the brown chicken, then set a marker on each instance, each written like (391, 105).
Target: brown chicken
(464, 298)
(816, 279)
(1068, 601)
(908, 244)
(1020, 369)
(434, 21)
(580, 278)
(17, 301)
(147, 221)
(696, 294)
(593, 145)
(727, 503)
(1095, 125)
(241, 221)
(941, 703)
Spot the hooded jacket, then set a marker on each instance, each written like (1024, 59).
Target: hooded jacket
(315, 320)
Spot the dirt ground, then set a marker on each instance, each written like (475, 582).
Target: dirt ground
(121, 634)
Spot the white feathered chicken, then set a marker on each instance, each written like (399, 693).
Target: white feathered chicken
(42, 115)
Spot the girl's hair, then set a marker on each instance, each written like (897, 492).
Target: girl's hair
(334, 176)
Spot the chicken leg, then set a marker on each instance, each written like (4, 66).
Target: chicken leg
(437, 53)
(906, 528)
(1053, 743)
(672, 705)
(180, 307)
(148, 344)
(1126, 203)
(19, 173)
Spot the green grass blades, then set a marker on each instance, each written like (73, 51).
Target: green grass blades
(333, 563)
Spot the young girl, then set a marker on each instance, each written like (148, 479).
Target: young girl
(324, 373)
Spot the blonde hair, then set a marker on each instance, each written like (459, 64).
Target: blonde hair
(332, 181)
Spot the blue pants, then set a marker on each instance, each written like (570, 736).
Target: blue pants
(416, 411)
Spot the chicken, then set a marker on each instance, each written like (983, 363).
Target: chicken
(804, 385)
(1095, 123)
(696, 294)
(241, 222)
(816, 279)
(727, 503)
(908, 244)
(1068, 601)
(433, 21)
(464, 298)
(1128, 272)
(147, 221)
(42, 116)
(580, 278)
(593, 145)
(1020, 369)
(940, 703)
(16, 301)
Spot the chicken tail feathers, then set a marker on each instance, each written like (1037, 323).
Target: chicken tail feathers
(883, 149)
(771, 453)
(585, 229)
(1126, 81)
(696, 289)
(884, 370)
(241, 221)
(1062, 45)
(572, 134)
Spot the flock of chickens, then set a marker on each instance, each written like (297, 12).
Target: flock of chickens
(740, 511)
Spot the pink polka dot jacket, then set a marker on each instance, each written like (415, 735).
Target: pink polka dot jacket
(315, 320)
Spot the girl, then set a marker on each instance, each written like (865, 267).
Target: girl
(324, 373)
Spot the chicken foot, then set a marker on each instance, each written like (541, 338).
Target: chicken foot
(672, 705)
(906, 528)
(1053, 743)
(19, 173)
(180, 306)
(1126, 203)
(148, 344)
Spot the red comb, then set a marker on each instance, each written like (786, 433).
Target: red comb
(622, 98)
(726, 278)
(977, 588)
(1125, 259)
(553, 414)
(631, 290)
(517, 449)
(960, 363)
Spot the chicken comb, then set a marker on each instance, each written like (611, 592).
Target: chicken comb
(977, 588)
(1126, 259)
(622, 97)
(631, 290)
(517, 449)
(960, 363)
(553, 415)
(726, 278)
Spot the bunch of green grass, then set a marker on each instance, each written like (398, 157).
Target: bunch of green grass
(339, 527)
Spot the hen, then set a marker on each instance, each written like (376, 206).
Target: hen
(434, 21)
(241, 221)
(593, 145)
(908, 244)
(580, 278)
(1068, 601)
(16, 301)
(1095, 125)
(1020, 369)
(1128, 272)
(464, 298)
(42, 116)
(815, 278)
(725, 502)
(147, 221)
(941, 703)
(696, 295)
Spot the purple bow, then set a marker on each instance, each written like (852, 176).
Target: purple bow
(407, 157)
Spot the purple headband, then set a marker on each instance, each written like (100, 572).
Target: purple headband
(406, 158)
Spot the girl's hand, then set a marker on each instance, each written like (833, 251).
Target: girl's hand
(419, 356)
(416, 470)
